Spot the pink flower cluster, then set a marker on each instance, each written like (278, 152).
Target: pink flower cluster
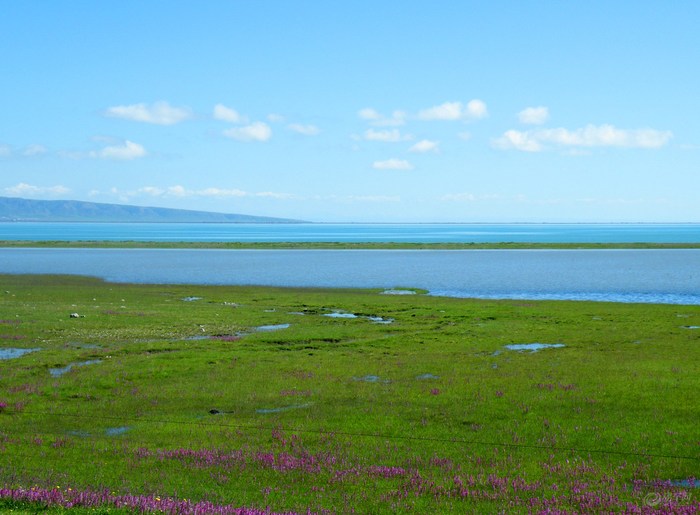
(69, 498)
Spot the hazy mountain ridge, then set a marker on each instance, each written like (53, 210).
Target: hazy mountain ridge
(28, 210)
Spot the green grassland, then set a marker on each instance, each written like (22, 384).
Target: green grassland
(413, 405)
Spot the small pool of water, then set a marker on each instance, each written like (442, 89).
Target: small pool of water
(116, 431)
(275, 327)
(12, 353)
(533, 347)
(57, 372)
(283, 408)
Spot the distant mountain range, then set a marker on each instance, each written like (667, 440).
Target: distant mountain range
(26, 210)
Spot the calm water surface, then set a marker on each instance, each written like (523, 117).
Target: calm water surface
(419, 233)
(660, 276)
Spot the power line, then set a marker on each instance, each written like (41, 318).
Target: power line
(456, 441)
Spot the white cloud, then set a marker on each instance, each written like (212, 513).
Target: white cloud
(450, 111)
(425, 145)
(392, 164)
(369, 114)
(387, 136)
(256, 131)
(129, 150)
(160, 113)
(517, 140)
(275, 118)
(28, 190)
(34, 150)
(152, 191)
(587, 137)
(534, 115)
(377, 119)
(5, 150)
(306, 130)
(476, 109)
(221, 112)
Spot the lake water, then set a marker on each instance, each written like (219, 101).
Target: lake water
(657, 276)
(421, 233)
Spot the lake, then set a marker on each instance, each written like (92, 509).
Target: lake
(656, 276)
(418, 233)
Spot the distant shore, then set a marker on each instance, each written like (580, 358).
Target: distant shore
(336, 245)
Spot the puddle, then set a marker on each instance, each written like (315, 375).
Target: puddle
(268, 328)
(301, 313)
(427, 376)
(380, 320)
(370, 379)
(398, 292)
(533, 347)
(375, 319)
(12, 353)
(686, 483)
(283, 408)
(340, 315)
(56, 372)
(81, 434)
(496, 353)
(116, 431)
(691, 326)
(191, 299)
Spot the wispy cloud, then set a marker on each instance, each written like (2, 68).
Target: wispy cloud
(306, 130)
(227, 114)
(392, 164)
(424, 146)
(159, 113)
(33, 150)
(387, 136)
(125, 151)
(256, 131)
(179, 191)
(534, 115)
(28, 190)
(452, 111)
(377, 119)
(585, 137)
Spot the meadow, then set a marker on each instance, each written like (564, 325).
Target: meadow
(117, 398)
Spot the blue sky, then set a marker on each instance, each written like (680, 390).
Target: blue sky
(382, 111)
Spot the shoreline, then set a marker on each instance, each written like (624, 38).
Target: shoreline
(309, 245)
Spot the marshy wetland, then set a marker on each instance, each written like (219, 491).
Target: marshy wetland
(253, 397)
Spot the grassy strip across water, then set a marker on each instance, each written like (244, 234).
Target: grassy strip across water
(340, 400)
(338, 245)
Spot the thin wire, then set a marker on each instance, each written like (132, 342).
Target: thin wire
(374, 435)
